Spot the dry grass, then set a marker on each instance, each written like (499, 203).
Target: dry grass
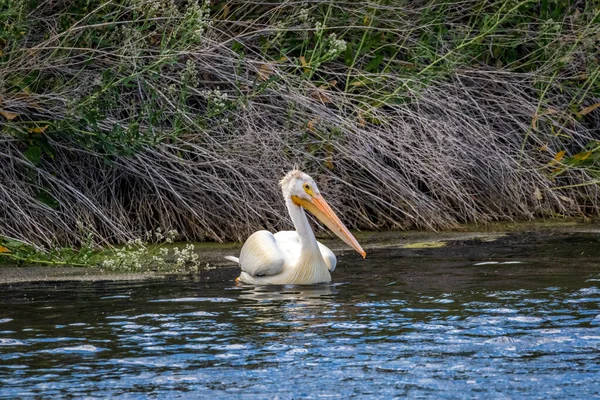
(466, 143)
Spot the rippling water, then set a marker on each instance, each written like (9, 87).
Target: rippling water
(516, 323)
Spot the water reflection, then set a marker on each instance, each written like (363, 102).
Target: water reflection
(312, 295)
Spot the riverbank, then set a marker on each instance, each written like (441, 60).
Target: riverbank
(477, 242)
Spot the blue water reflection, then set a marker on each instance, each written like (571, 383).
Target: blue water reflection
(398, 326)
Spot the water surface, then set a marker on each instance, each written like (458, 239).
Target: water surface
(499, 320)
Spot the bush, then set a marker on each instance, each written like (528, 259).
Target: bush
(130, 115)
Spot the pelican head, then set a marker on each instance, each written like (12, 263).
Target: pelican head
(302, 191)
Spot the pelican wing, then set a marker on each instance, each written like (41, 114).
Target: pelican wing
(289, 243)
(261, 255)
(328, 256)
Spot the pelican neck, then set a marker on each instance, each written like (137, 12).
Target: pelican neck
(300, 221)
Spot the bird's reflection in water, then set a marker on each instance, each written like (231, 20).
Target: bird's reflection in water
(310, 295)
(294, 306)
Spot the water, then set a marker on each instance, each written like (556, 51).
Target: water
(495, 321)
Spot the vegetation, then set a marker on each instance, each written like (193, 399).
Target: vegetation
(127, 115)
(155, 252)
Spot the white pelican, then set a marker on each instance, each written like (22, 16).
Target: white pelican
(294, 257)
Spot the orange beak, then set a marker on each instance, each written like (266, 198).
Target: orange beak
(320, 209)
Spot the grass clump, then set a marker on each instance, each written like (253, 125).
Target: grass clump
(157, 252)
(132, 114)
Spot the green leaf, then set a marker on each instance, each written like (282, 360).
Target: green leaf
(47, 199)
(33, 154)
(237, 47)
(374, 63)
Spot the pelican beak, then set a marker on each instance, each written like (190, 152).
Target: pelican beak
(320, 209)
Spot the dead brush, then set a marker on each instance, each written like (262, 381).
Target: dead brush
(133, 118)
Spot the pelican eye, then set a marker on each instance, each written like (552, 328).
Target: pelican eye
(308, 189)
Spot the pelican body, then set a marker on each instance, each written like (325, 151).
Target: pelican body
(294, 257)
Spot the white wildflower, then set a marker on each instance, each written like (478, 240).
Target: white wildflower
(216, 99)
(189, 76)
(336, 46)
(172, 90)
(198, 18)
(303, 15)
(319, 29)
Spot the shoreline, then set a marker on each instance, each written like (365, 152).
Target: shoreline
(216, 268)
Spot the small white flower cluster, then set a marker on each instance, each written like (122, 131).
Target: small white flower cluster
(157, 236)
(280, 30)
(136, 253)
(304, 15)
(217, 100)
(109, 264)
(186, 256)
(160, 259)
(134, 243)
(336, 46)
(198, 17)
(189, 76)
(132, 256)
(171, 235)
(319, 29)
(172, 90)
